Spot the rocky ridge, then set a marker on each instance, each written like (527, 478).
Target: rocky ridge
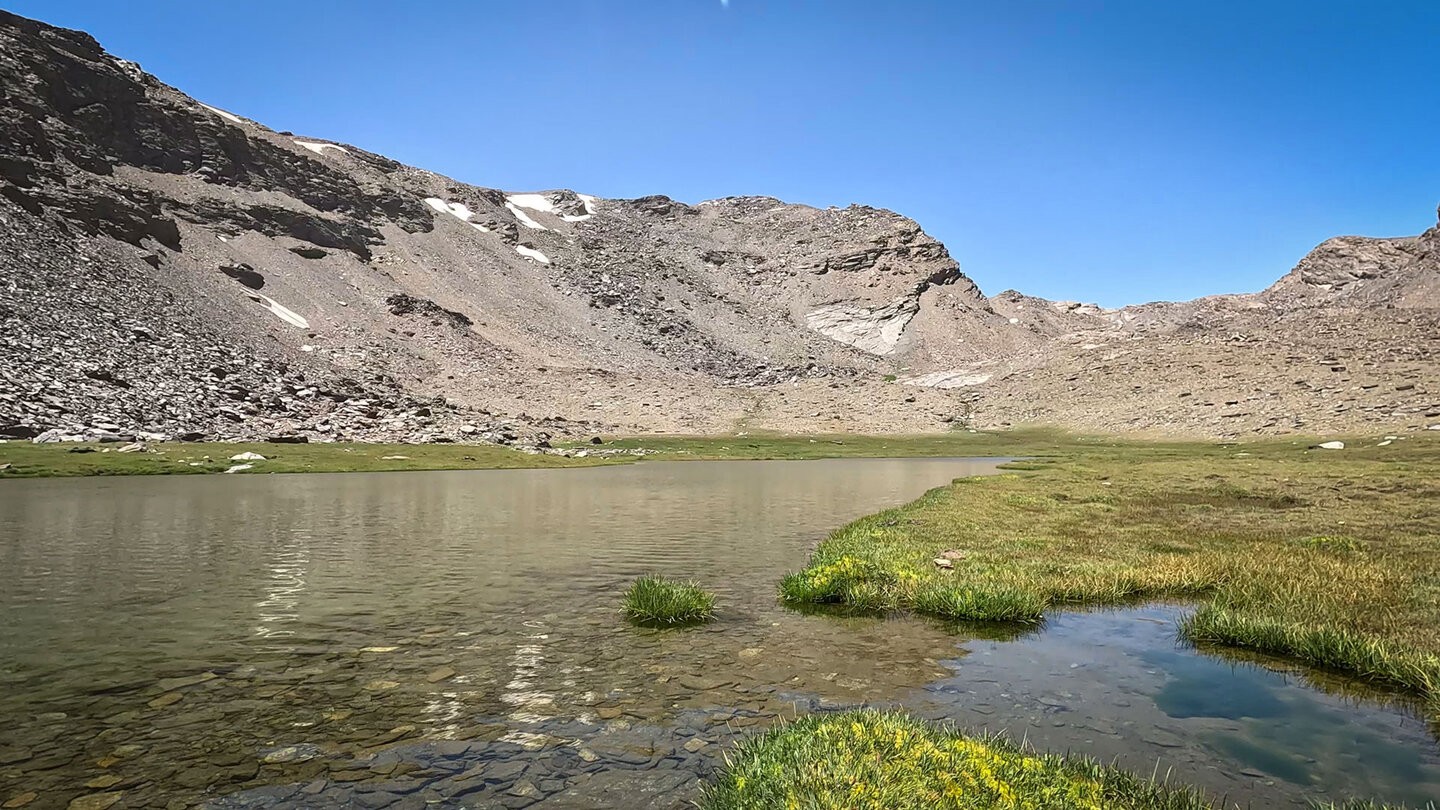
(168, 268)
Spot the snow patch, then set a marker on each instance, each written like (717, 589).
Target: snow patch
(535, 202)
(523, 217)
(319, 148)
(532, 253)
(281, 312)
(545, 204)
(227, 116)
(457, 210)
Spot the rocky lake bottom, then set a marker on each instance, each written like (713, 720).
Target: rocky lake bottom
(454, 639)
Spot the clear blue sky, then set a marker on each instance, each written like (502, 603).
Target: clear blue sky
(1103, 151)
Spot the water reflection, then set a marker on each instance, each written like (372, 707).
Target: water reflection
(1116, 684)
(287, 571)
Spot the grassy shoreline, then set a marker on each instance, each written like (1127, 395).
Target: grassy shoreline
(872, 760)
(29, 460)
(879, 760)
(1328, 557)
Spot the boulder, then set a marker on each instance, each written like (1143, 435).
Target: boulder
(245, 274)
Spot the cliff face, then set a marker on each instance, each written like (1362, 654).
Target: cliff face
(172, 268)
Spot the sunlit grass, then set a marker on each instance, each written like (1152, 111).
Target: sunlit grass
(1330, 558)
(658, 602)
(872, 760)
(28, 460)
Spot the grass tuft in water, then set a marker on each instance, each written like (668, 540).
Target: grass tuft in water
(658, 602)
(872, 760)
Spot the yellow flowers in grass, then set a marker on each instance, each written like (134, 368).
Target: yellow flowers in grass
(872, 760)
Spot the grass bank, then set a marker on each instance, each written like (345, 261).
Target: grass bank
(28, 460)
(1330, 557)
(1024, 442)
(871, 760)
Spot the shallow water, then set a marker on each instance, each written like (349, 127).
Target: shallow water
(453, 638)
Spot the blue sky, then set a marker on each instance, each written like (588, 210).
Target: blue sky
(1102, 151)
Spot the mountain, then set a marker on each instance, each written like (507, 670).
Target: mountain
(171, 268)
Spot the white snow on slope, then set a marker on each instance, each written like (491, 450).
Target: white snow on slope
(319, 148)
(523, 217)
(227, 116)
(284, 314)
(535, 202)
(458, 210)
(532, 253)
(545, 205)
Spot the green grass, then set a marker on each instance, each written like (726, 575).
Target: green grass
(870, 760)
(1332, 558)
(28, 460)
(760, 445)
(658, 602)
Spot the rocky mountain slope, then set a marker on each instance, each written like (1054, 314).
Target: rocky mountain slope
(171, 268)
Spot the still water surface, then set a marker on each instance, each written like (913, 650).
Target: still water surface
(453, 639)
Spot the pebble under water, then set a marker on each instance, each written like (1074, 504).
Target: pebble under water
(454, 639)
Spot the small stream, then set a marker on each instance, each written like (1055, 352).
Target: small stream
(453, 639)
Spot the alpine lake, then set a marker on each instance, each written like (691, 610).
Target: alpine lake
(454, 639)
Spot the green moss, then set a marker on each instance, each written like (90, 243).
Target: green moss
(871, 760)
(658, 602)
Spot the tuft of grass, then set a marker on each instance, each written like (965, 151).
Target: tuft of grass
(658, 602)
(872, 760)
(1330, 559)
(982, 604)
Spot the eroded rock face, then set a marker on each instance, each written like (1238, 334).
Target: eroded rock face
(877, 330)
